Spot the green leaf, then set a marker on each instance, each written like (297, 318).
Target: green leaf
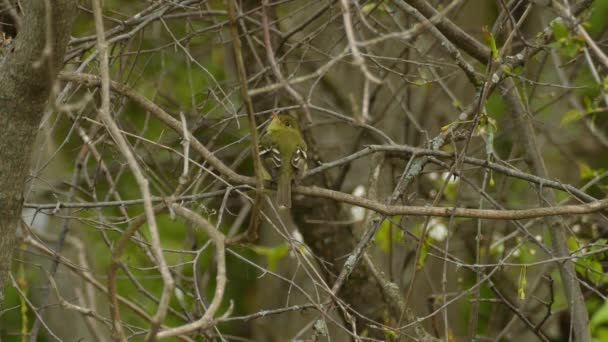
(600, 334)
(568, 44)
(570, 49)
(273, 254)
(489, 38)
(597, 246)
(597, 18)
(458, 105)
(588, 266)
(377, 6)
(521, 287)
(389, 335)
(571, 116)
(591, 269)
(588, 104)
(495, 106)
(560, 31)
(367, 9)
(424, 251)
(599, 317)
(573, 244)
(383, 236)
(585, 171)
(419, 82)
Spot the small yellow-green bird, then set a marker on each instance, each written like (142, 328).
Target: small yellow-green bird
(283, 153)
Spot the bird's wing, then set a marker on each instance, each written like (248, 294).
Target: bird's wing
(299, 160)
(270, 156)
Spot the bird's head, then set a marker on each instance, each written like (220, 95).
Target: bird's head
(283, 121)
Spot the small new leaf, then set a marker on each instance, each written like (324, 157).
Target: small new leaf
(521, 288)
(489, 38)
(571, 116)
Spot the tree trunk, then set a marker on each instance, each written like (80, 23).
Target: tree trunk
(28, 68)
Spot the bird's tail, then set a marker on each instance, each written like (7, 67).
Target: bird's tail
(284, 190)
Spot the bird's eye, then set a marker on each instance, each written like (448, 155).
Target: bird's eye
(287, 124)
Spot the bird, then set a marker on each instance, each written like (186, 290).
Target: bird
(283, 154)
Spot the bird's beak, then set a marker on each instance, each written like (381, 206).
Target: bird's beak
(275, 116)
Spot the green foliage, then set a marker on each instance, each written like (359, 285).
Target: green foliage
(587, 88)
(597, 21)
(526, 253)
(272, 254)
(586, 172)
(11, 319)
(573, 115)
(522, 283)
(598, 323)
(491, 42)
(424, 249)
(566, 43)
(487, 129)
(589, 266)
(374, 7)
(386, 234)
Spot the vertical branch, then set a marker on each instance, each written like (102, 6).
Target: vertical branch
(255, 150)
(474, 315)
(274, 65)
(352, 43)
(576, 302)
(142, 181)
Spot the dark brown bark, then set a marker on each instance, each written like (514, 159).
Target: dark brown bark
(28, 70)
